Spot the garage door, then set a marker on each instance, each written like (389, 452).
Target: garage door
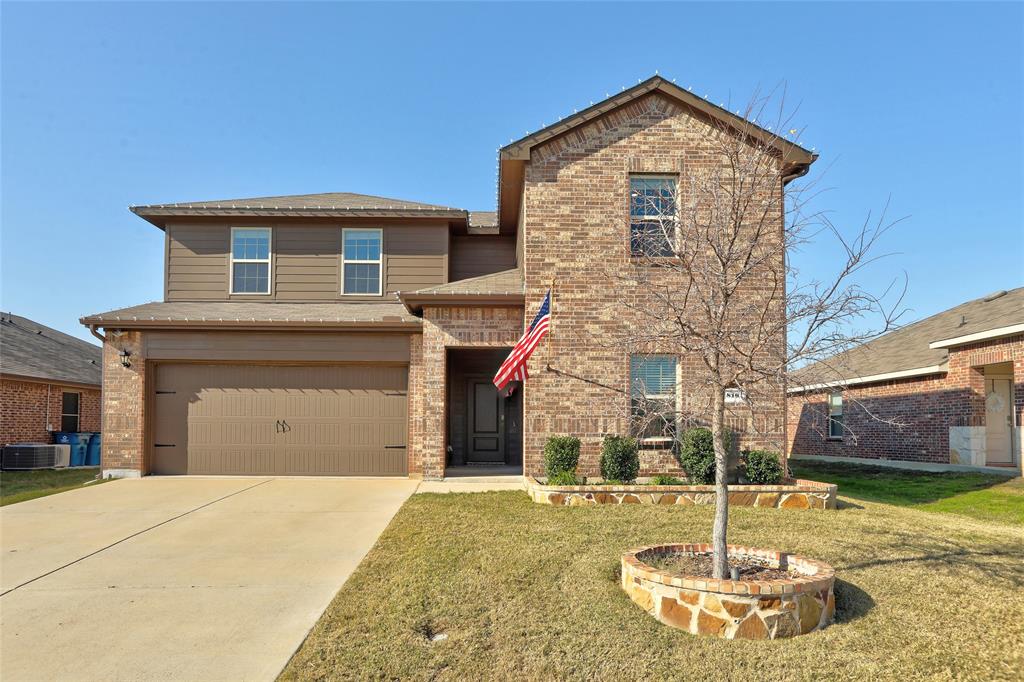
(279, 420)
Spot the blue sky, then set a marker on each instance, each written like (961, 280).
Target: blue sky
(108, 105)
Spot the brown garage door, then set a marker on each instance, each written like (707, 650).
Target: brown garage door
(279, 420)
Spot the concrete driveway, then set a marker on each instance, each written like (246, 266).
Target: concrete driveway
(179, 578)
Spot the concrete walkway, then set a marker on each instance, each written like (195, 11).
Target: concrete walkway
(179, 578)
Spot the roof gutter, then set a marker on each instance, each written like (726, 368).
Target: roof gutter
(871, 378)
(415, 301)
(388, 325)
(979, 336)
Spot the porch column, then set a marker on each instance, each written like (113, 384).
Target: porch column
(427, 379)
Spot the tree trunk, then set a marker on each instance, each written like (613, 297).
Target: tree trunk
(718, 540)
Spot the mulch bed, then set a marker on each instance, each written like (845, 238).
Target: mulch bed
(700, 566)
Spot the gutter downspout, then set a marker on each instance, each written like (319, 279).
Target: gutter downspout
(92, 330)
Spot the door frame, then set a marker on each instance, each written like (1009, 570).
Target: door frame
(1006, 376)
(472, 379)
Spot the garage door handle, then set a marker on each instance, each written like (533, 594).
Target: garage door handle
(394, 447)
(163, 445)
(395, 393)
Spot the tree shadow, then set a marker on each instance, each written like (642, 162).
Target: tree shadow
(846, 504)
(851, 602)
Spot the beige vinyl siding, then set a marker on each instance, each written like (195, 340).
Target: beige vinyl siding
(197, 262)
(473, 256)
(290, 346)
(415, 258)
(305, 261)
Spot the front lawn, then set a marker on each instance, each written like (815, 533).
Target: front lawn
(988, 497)
(18, 486)
(529, 591)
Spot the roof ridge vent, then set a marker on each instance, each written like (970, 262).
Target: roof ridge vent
(993, 296)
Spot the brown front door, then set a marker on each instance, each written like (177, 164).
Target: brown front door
(486, 423)
(999, 420)
(279, 420)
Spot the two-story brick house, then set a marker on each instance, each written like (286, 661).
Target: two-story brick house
(354, 335)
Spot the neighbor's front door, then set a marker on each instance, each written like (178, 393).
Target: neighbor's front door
(998, 420)
(486, 423)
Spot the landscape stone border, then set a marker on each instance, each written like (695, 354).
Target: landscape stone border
(790, 494)
(733, 609)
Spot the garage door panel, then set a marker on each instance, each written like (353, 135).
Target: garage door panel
(281, 420)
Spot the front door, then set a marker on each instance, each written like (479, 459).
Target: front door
(998, 420)
(486, 422)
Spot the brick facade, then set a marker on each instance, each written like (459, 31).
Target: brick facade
(575, 229)
(445, 328)
(31, 408)
(124, 407)
(928, 409)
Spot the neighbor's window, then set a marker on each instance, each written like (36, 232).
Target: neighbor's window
(652, 215)
(653, 388)
(69, 411)
(361, 260)
(835, 415)
(250, 260)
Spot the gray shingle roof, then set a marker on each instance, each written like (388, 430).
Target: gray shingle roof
(504, 282)
(245, 313)
(907, 347)
(30, 349)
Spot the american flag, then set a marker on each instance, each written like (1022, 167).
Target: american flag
(514, 367)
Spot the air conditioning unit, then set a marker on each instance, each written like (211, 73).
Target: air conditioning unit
(36, 456)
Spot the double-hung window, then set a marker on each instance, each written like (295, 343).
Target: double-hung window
(653, 396)
(835, 415)
(361, 262)
(250, 260)
(70, 410)
(652, 215)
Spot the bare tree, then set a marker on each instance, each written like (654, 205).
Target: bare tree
(710, 281)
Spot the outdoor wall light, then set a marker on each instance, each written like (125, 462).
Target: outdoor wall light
(124, 355)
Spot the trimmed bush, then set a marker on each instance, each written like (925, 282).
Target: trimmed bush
(563, 478)
(561, 454)
(665, 479)
(697, 455)
(762, 466)
(620, 459)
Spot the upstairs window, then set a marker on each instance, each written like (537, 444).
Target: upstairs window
(361, 262)
(652, 215)
(653, 397)
(835, 416)
(250, 260)
(70, 411)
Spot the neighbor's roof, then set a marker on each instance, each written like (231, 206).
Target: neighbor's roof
(327, 205)
(496, 288)
(29, 349)
(912, 350)
(244, 314)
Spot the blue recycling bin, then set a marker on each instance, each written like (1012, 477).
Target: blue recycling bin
(92, 452)
(78, 445)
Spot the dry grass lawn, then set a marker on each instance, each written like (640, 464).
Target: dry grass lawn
(531, 592)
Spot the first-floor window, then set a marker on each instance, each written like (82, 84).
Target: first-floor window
(361, 261)
(250, 260)
(835, 415)
(69, 411)
(653, 396)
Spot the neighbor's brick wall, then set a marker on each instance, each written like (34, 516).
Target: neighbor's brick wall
(24, 413)
(124, 391)
(576, 230)
(926, 408)
(443, 328)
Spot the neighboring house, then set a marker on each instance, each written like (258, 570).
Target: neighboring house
(356, 335)
(49, 381)
(946, 390)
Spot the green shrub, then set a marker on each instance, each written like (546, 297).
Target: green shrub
(665, 479)
(762, 466)
(561, 455)
(563, 478)
(620, 459)
(612, 481)
(697, 455)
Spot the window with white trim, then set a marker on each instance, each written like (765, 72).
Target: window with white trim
(250, 260)
(652, 215)
(653, 397)
(361, 262)
(835, 415)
